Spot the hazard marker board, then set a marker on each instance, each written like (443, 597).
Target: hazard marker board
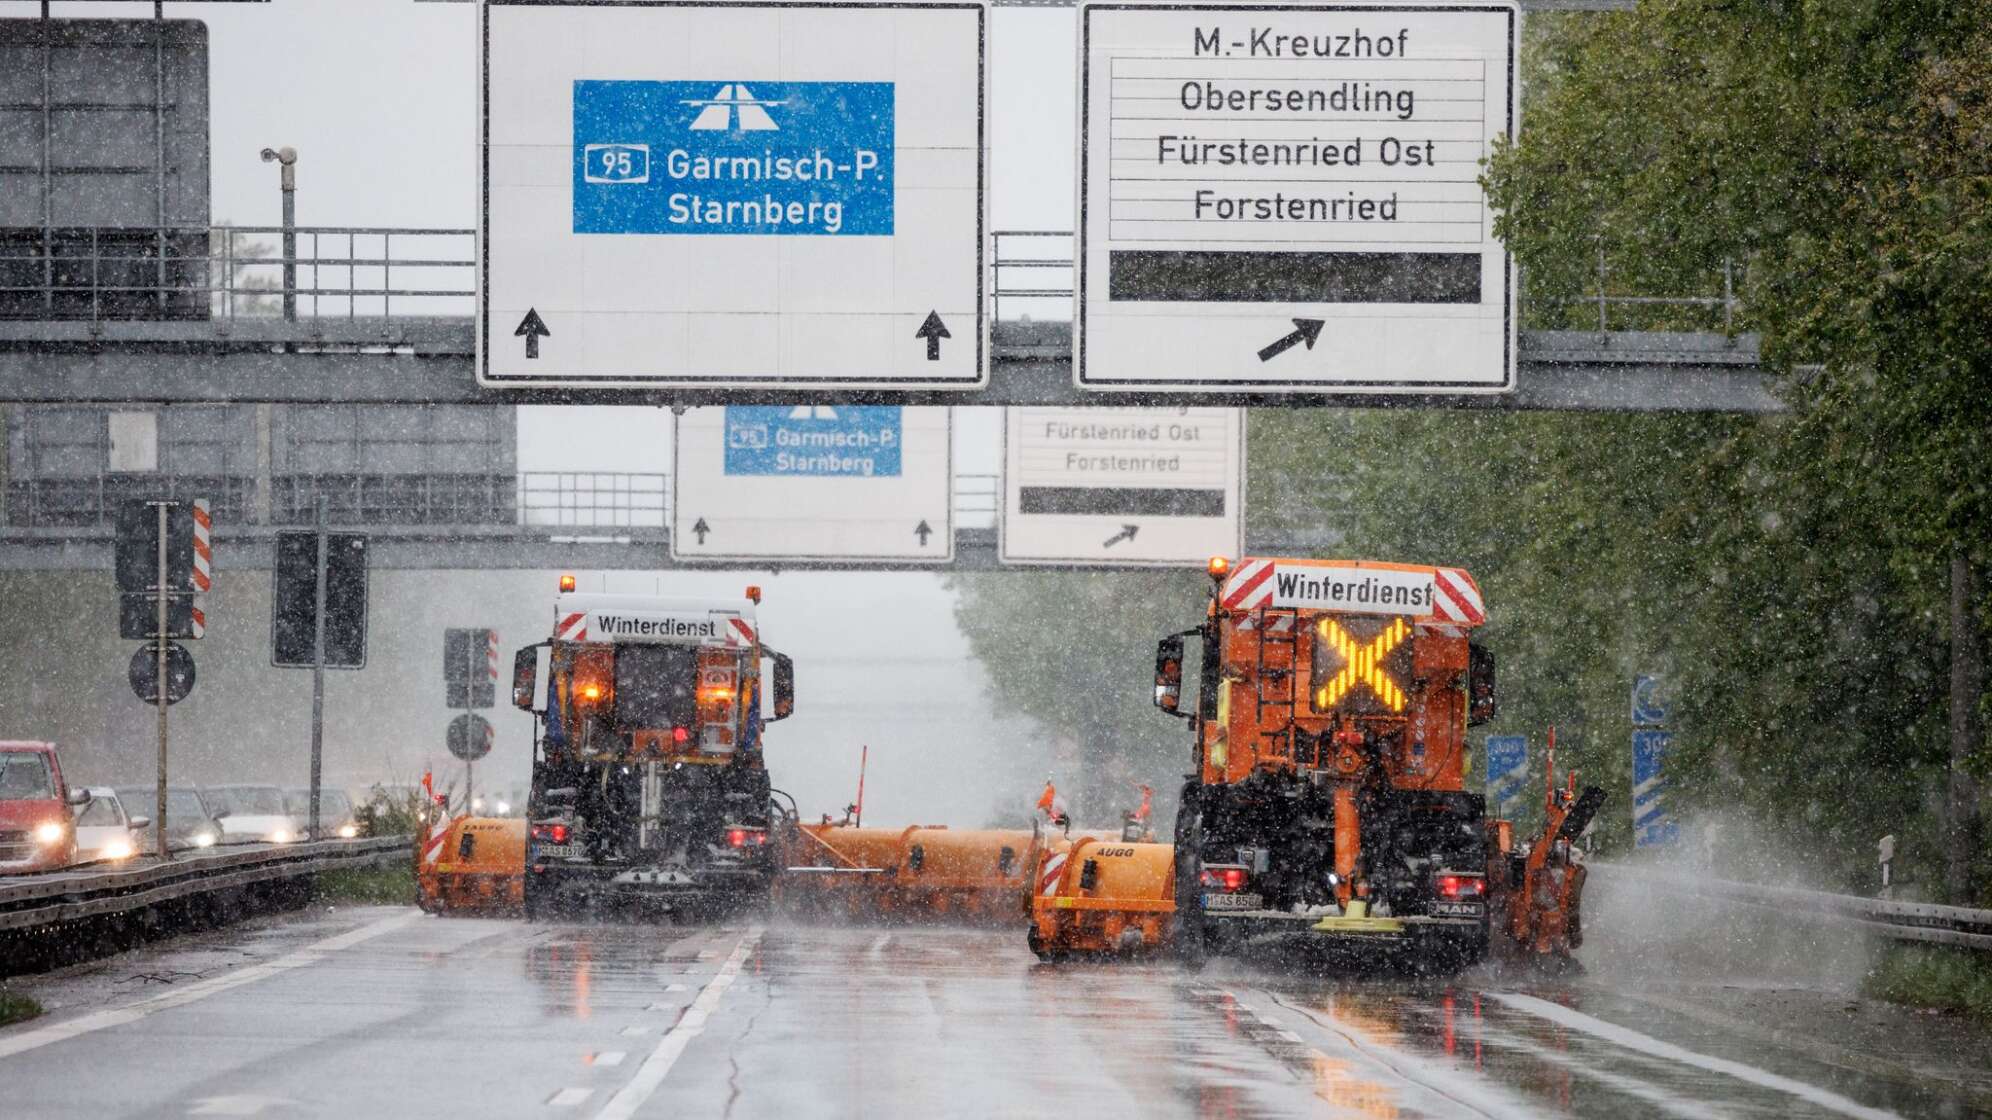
(1285, 197)
(760, 195)
(805, 483)
(1122, 486)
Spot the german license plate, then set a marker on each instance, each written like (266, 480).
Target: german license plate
(1237, 901)
(1456, 909)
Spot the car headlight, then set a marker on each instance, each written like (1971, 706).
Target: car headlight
(118, 849)
(50, 832)
(347, 831)
(203, 839)
(281, 836)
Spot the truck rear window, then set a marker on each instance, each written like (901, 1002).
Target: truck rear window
(656, 686)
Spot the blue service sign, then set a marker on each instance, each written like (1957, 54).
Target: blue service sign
(1649, 702)
(1507, 758)
(861, 441)
(1652, 824)
(729, 157)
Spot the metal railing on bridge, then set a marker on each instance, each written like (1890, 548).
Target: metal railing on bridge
(529, 500)
(228, 273)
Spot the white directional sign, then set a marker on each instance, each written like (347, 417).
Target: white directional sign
(1134, 486)
(800, 483)
(1285, 197)
(764, 194)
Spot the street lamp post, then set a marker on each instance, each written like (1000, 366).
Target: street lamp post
(286, 158)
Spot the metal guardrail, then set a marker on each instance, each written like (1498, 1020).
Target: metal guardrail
(1960, 926)
(30, 901)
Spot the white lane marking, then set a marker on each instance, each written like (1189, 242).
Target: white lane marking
(133, 1012)
(633, 1031)
(674, 987)
(878, 947)
(1646, 1044)
(1652, 1094)
(236, 1106)
(608, 1059)
(654, 1069)
(569, 1098)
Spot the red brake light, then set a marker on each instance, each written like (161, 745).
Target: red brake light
(680, 735)
(1234, 878)
(552, 833)
(1460, 886)
(746, 837)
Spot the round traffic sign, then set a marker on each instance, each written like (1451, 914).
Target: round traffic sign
(144, 673)
(470, 737)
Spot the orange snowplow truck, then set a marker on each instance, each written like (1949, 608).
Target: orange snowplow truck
(1329, 795)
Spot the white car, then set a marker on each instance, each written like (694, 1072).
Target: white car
(104, 832)
(252, 814)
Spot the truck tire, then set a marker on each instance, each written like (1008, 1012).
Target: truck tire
(1190, 936)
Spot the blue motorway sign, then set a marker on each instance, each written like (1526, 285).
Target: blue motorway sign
(724, 157)
(1652, 824)
(1649, 702)
(814, 442)
(1507, 770)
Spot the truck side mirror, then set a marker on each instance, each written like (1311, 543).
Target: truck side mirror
(525, 678)
(1481, 704)
(1169, 675)
(784, 687)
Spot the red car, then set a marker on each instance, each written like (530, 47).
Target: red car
(37, 823)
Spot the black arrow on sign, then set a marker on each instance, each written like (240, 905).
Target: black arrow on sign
(933, 330)
(701, 528)
(1310, 329)
(923, 531)
(1126, 534)
(534, 329)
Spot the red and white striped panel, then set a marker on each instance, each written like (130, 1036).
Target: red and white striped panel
(203, 572)
(197, 617)
(1249, 586)
(572, 627)
(740, 632)
(1456, 598)
(491, 653)
(1054, 866)
(432, 847)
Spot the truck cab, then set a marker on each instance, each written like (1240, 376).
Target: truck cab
(649, 781)
(1330, 723)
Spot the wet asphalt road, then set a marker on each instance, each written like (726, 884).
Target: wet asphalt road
(382, 1012)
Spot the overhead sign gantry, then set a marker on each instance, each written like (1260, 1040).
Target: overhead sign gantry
(771, 195)
(1286, 197)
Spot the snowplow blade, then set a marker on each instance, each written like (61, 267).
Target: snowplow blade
(482, 868)
(911, 874)
(1097, 896)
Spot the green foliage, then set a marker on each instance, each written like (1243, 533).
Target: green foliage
(17, 1008)
(387, 884)
(1934, 976)
(1787, 575)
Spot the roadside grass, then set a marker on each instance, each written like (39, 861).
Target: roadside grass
(1934, 976)
(17, 1009)
(381, 885)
